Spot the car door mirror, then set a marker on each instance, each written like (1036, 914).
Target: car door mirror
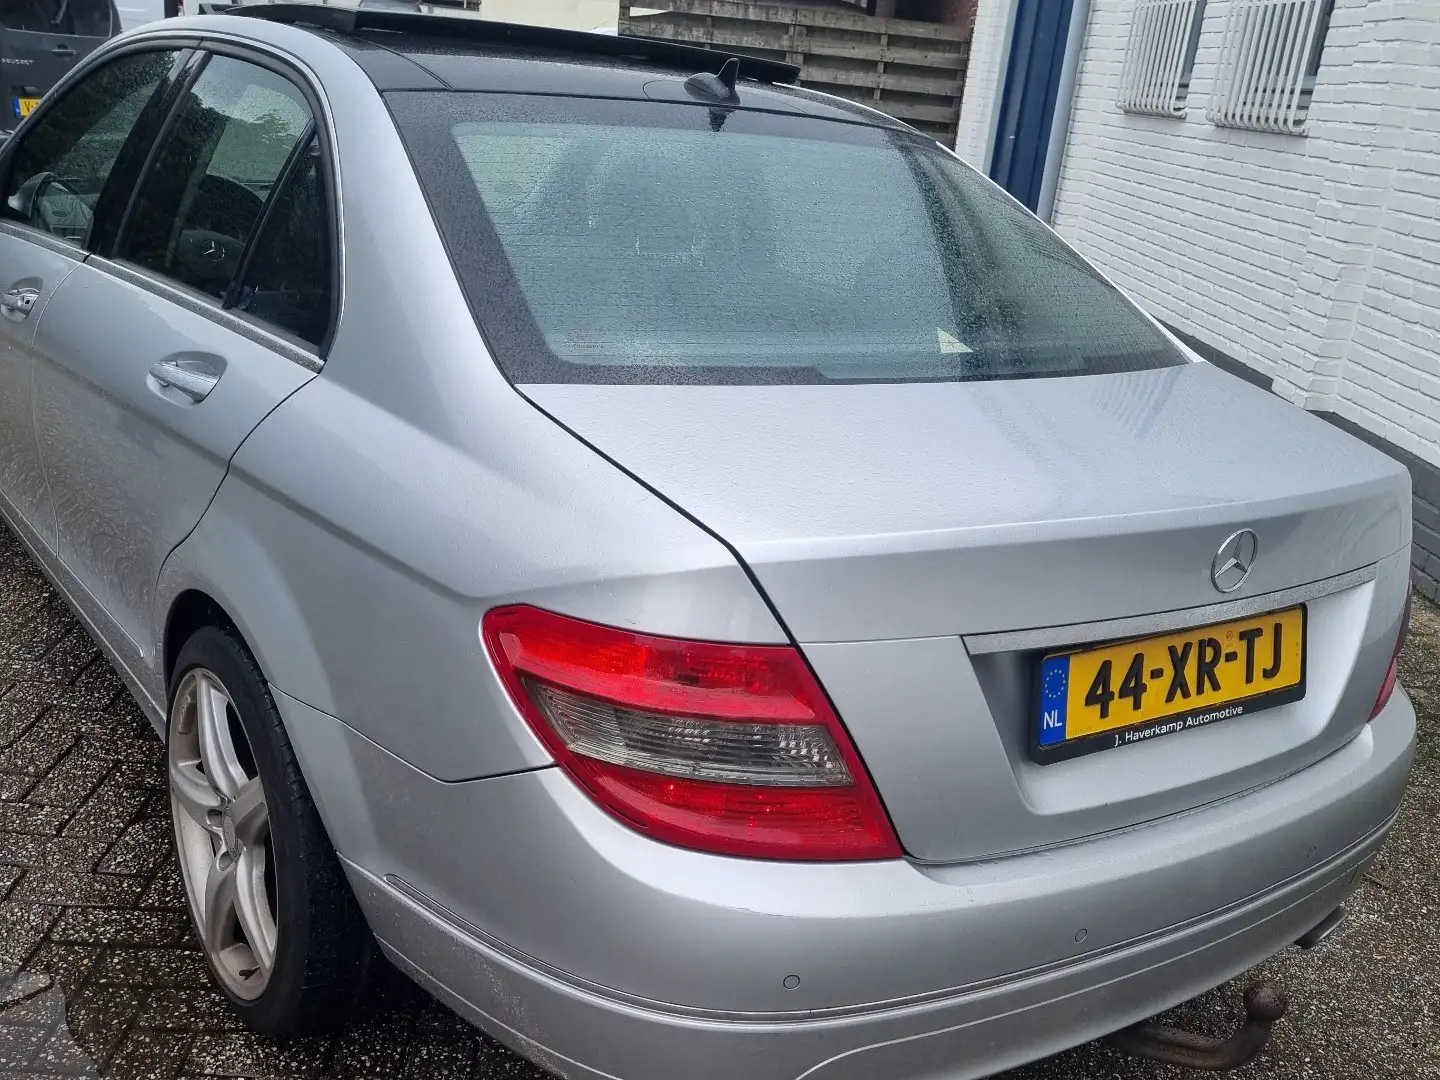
(47, 202)
(24, 201)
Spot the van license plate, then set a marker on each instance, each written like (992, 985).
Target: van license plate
(1117, 694)
(24, 106)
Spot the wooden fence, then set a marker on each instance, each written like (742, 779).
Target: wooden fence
(912, 70)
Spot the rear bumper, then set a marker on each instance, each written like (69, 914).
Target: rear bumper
(970, 1035)
(599, 953)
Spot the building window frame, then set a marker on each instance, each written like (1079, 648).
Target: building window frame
(1268, 64)
(1160, 57)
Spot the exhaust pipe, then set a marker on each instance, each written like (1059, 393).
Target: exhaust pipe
(1322, 930)
(1265, 1003)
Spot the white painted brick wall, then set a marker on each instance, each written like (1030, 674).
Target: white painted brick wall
(988, 45)
(1315, 259)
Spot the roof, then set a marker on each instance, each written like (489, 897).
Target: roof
(410, 50)
(535, 39)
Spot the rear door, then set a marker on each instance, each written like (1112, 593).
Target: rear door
(40, 41)
(55, 173)
(160, 355)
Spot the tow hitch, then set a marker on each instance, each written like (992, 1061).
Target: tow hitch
(1264, 1004)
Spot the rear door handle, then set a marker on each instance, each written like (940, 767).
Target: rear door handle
(191, 380)
(63, 50)
(18, 303)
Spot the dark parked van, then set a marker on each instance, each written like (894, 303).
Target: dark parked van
(40, 40)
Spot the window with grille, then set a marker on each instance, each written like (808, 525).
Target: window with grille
(1269, 58)
(1160, 56)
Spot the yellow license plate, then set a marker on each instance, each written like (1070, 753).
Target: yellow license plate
(1115, 695)
(24, 106)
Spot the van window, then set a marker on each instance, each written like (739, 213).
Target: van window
(83, 18)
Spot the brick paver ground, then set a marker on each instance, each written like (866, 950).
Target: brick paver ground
(99, 974)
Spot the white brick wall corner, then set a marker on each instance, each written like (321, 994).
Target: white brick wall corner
(989, 46)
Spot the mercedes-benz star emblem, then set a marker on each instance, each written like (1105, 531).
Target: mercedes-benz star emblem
(1234, 560)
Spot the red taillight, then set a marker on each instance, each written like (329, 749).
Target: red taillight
(1393, 671)
(725, 748)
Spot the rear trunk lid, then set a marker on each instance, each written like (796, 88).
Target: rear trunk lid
(901, 530)
(915, 510)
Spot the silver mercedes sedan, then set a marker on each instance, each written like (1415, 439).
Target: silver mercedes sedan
(676, 563)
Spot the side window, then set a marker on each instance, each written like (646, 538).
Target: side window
(62, 162)
(287, 281)
(225, 150)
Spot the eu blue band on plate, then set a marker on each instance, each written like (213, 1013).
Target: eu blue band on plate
(1054, 697)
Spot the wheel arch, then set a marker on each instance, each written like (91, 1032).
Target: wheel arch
(191, 610)
(222, 576)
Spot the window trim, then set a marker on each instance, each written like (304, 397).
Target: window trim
(41, 238)
(321, 126)
(204, 305)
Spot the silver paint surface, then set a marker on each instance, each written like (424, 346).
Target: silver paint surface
(356, 525)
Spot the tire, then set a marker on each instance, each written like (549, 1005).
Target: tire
(263, 877)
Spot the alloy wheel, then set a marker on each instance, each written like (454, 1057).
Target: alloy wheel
(222, 834)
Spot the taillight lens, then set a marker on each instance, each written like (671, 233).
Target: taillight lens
(731, 749)
(1392, 673)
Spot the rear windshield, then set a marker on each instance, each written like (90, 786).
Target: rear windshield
(84, 18)
(651, 242)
